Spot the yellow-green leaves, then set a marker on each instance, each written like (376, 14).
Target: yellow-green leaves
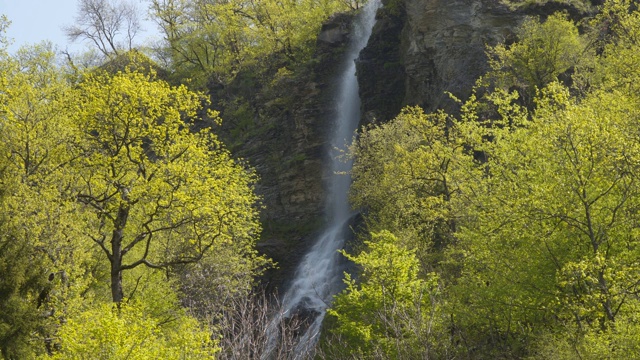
(617, 32)
(40, 226)
(542, 53)
(535, 191)
(129, 332)
(161, 193)
(409, 174)
(36, 128)
(206, 37)
(550, 236)
(101, 180)
(390, 311)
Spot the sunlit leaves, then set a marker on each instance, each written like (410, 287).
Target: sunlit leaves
(221, 38)
(390, 311)
(543, 52)
(108, 173)
(40, 225)
(543, 255)
(161, 193)
(408, 174)
(129, 332)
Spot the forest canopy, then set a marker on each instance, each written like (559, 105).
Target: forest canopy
(523, 207)
(108, 194)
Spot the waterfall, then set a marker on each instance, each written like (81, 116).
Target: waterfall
(319, 275)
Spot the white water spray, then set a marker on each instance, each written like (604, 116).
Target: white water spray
(319, 276)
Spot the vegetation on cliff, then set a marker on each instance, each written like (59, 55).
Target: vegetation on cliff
(523, 208)
(507, 229)
(127, 227)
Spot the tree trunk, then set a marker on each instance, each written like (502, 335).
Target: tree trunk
(116, 253)
(116, 278)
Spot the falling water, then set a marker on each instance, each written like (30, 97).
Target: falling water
(319, 275)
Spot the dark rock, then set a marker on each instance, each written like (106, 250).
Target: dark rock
(336, 30)
(435, 47)
(380, 69)
(281, 128)
(444, 46)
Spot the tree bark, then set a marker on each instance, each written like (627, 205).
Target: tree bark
(116, 250)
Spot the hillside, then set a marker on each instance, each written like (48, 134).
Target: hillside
(158, 202)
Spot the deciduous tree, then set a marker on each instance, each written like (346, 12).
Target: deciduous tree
(390, 312)
(39, 241)
(111, 25)
(544, 50)
(162, 195)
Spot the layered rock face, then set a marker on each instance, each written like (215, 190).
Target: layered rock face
(443, 44)
(440, 47)
(422, 49)
(281, 127)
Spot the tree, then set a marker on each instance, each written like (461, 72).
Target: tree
(130, 332)
(551, 241)
(409, 176)
(391, 312)
(39, 226)
(543, 259)
(161, 194)
(617, 32)
(204, 37)
(111, 25)
(543, 52)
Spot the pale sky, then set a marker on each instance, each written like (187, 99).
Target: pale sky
(33, 21)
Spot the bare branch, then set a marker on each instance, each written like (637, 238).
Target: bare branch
(111, 25)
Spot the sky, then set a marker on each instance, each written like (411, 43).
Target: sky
(33, 21)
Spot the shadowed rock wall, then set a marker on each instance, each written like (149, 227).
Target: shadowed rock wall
(439, 47)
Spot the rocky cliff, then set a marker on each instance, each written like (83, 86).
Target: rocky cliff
(419, 50)
(425, 48)
(279, 122)
(437, 46)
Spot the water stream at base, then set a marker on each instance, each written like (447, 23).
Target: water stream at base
(319, 275)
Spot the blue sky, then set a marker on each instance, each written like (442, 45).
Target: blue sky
(33, 21)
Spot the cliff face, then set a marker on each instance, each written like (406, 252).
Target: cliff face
(418, 51)
(380, 67)
(440, 47)
(444, 46)
(422, 49)
(280, 122)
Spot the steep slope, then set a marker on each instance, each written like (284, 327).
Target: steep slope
(280, 123)
(422, 49)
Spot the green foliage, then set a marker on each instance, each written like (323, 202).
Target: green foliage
(40, 226)
(619, 341)
(390, 311)
(551, 237)
(101, 180)
(206, 38)
(617, 34)
(23, 280)
(161, 194)
(409, 174)
(543, 52)
(542, 254)
(129, 332)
